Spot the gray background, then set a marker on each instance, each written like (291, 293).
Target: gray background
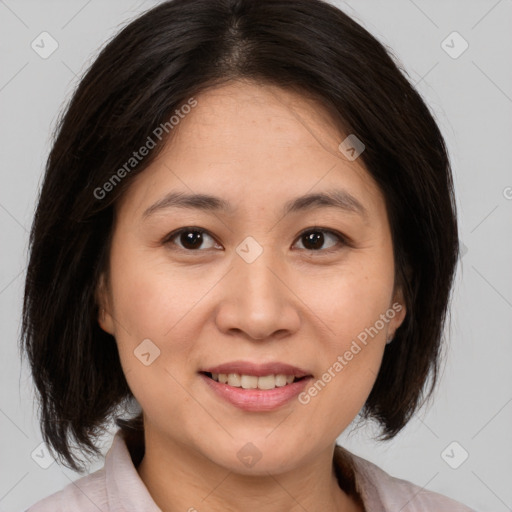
(471, 97)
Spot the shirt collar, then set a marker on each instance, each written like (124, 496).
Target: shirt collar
(126, 490)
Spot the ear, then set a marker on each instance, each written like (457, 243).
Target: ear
(399, 307)
(105, 318)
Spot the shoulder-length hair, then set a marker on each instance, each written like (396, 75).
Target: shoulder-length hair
(142, 76)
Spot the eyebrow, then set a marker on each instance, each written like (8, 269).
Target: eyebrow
(336, 198)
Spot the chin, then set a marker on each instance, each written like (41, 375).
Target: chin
(257, 457)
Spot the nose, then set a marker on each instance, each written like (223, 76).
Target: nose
(258, 300)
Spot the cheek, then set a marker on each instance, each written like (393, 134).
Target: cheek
(352, 297)
(153, 311)
(151, 304)
(348, 305)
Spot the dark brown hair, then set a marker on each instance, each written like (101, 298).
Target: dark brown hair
(157, 63)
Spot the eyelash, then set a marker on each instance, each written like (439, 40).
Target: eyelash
(342, 240)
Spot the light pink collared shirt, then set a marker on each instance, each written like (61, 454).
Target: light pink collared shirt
(117, 487)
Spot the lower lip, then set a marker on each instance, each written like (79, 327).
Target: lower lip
(257, 400)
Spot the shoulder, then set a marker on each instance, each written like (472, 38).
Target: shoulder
(85, 494)
(382, 492)
(116, 486)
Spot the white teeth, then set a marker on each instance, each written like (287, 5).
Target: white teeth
(248, 381)
(280, 380)
(267, 382)
(234, 380)
(252, 381)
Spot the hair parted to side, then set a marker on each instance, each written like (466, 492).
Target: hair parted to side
(157, 63)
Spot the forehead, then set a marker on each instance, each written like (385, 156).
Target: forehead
(233, 113)
(244, 141)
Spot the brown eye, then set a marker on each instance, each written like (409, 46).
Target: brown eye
(314, 239)
(190, 239)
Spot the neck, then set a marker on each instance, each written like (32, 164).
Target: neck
(180, 479)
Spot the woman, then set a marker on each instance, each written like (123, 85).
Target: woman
(246, 228)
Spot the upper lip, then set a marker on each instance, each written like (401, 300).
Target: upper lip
(258, 370)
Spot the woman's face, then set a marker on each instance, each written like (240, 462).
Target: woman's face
(264, 284)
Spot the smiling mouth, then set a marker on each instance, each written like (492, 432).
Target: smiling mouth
(266, 382)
